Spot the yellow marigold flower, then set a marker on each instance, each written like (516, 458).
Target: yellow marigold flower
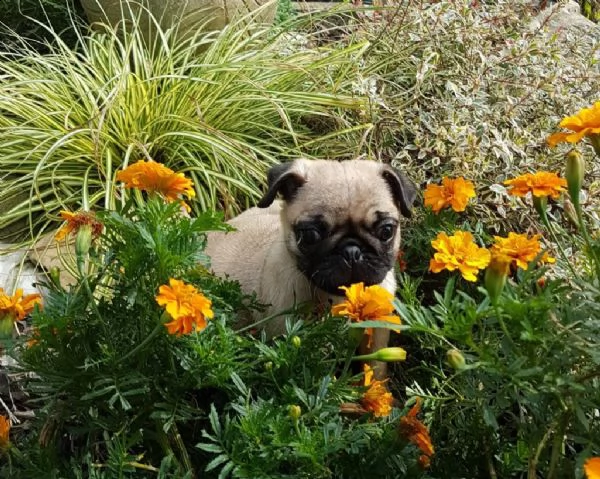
(186, 305)
(377, 399)
(366, 304)
(519, 249)
(4, 432)
(584, 123)
(453, 192)
(542, 183)
(415, 431)
(74, 221)
(155, 177)
(373, 303)
(592, 468)
(17, 306)
(458, 251)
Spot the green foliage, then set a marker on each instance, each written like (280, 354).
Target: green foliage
(126, 399)
(39, 21)
(473, 90)
(221, 107)
(285, 11)
(590, 9)
(525, 402)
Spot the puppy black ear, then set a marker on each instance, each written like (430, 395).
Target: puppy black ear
(285, 178)
(403, 189)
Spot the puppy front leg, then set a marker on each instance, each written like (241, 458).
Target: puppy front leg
(379, 340)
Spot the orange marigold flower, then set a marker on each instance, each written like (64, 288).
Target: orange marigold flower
(17, 306)
(373, 303)
(592, 468)
(186, 306)
(453, 192)
(542, 183)
(74, 221)
(155, 177)
(519, 249)
(186, 324)
(585, 123)
(377, 399)
(458, 251)
(415, 431)
(4, 432)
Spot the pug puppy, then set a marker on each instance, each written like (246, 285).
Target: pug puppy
(337, 223)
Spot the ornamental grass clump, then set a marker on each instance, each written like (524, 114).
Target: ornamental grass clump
(219, 107)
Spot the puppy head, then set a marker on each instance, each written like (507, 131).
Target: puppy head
(341, 219)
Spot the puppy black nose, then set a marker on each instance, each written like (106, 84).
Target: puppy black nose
(352, 253)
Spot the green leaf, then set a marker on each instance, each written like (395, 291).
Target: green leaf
(208, 447)
(489, 418)
(217, 461)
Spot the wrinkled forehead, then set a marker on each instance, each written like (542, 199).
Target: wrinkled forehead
(341, 195)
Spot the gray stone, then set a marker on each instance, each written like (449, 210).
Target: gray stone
(190, 15)
(565, 18)
(15, 270)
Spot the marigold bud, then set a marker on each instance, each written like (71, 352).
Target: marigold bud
(83, 240)
(295, 412)
(268, 366)
(390, 355)
(456, 359)
(6, 325)
(495, 276)
(574, 174)
(541, 282)
(387, 355)
(55, 276)
(296, 341)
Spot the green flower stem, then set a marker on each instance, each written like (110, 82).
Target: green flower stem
(181, 446)
(549, 227)
(533, 461)
(586, 236)
(557, 443)
(143, 344)
(348, 361)
(503, 325)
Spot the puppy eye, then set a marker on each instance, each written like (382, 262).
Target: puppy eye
(308, 236)
(385, 232)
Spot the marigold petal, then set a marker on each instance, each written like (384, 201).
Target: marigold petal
(377, 399)
(4, 432)
(415, 431)
(592, 468)
(585, 123)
